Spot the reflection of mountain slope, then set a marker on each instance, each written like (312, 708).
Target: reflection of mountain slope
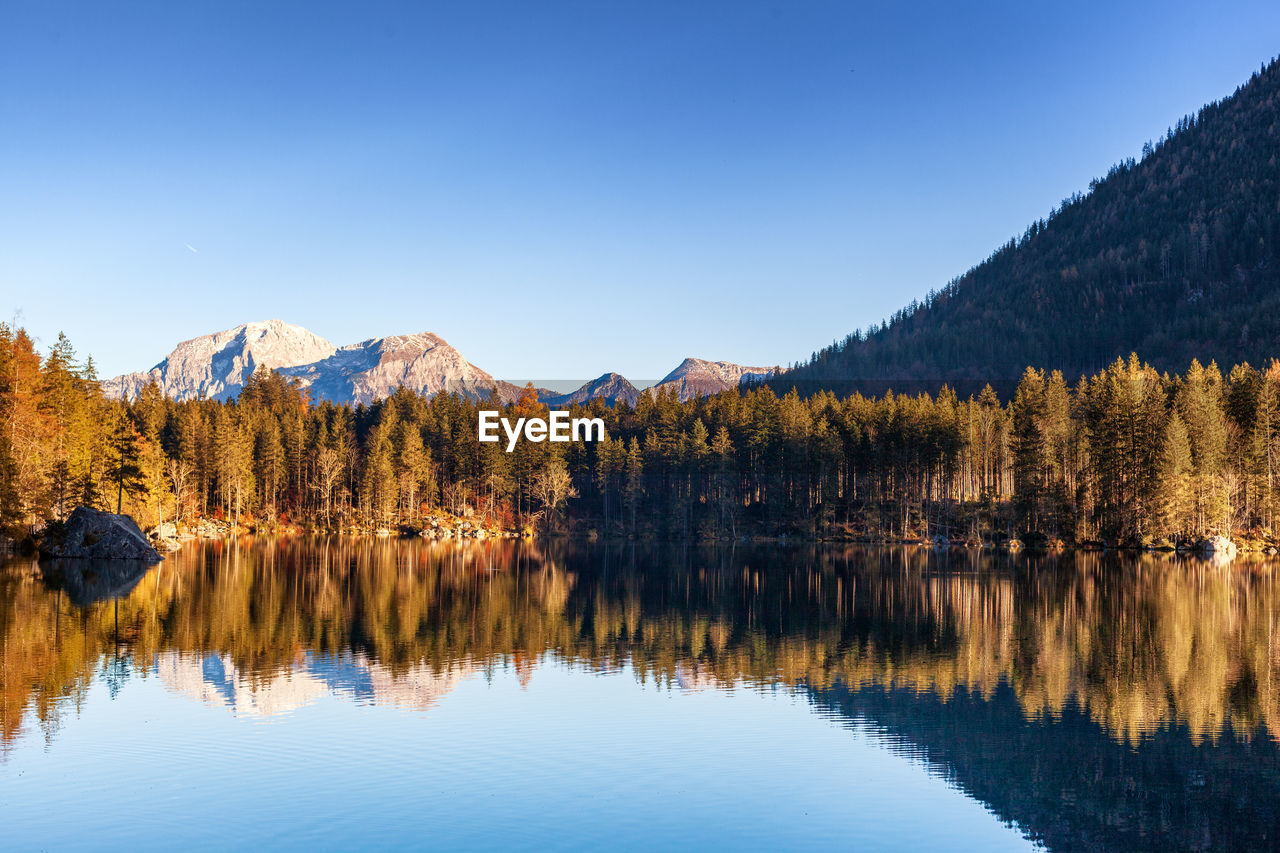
(359, 677)
(1067, 783)
(693, 678)
(214, 680)
(417, 688)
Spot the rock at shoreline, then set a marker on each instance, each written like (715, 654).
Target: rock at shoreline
(167, 530)
(164, 537)
(92, 534)
(1218, 547)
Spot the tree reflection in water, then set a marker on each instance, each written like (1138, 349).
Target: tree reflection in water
(1084, 696)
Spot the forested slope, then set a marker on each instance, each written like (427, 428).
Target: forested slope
(1173, 256)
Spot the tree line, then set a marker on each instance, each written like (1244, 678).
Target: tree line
(1128, 456)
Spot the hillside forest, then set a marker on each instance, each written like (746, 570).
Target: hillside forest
(1175, 254)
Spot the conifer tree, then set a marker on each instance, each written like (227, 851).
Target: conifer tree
(1199, 401)
(634, 473)
(125, 474)
(1029, 447)
(413, 471)
(1177, 489)
(610, 461)
(722, 454)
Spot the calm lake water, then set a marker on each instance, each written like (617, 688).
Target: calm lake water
(338, 693)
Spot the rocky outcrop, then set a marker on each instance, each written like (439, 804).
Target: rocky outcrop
(165, 537)
(216, 366)
(1217, 547)
(97, 535)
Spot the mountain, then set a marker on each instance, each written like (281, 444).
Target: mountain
(1174, 256)
(696, 377)
(216, 366)
(611, 388)
(372, 369)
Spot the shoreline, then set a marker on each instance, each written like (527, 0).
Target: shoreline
(462, 530)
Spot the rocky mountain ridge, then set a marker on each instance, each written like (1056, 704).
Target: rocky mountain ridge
(217, 366)
(372, 369)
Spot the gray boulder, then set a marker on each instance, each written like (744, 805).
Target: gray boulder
(168, 530)
(91, 534)
(1218, 548)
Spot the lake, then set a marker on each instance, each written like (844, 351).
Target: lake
(355, 692)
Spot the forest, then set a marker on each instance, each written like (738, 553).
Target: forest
(1175, 254)
(1128, 457)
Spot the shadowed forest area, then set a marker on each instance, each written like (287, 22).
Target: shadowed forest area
(1175, 255)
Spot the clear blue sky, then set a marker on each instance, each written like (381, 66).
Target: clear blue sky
(559, 189)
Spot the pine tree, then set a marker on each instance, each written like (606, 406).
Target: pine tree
(1177, 474)
(1199, 401)
(1028, 446)
(125, 473)
(634, 472)
(611, 459)
(270, 464)
(725, 497)
(413, 470)
(378, 490)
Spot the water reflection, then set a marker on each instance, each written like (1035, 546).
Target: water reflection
(89, 581)
(216, 680)
(1094, 700)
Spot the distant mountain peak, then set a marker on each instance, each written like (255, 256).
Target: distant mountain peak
(699, 377)
(694, 377)
(611, 387)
